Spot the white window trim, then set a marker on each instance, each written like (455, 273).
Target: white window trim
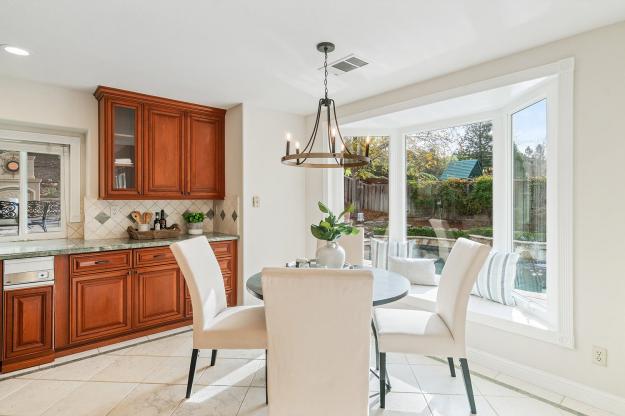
(560, 229)
(74, 143)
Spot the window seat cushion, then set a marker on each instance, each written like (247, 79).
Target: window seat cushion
(480, 310)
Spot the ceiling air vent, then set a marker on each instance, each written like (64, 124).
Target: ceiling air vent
(346, 64)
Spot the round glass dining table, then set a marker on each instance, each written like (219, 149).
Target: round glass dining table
(387, 286)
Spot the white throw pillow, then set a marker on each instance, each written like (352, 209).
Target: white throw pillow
(418, 271)
(496, 279)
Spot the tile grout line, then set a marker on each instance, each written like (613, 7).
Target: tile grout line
(123, 398)
(519, 390)
(48, 367)
(243, 401)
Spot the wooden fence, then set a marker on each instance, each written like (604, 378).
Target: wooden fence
(366, 196)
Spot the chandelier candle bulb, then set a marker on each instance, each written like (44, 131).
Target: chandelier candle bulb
(367, 148)
(288, 143)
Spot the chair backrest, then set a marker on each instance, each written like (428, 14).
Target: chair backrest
(201, 271)
(354, 246)
(457, 278)
(318, 330)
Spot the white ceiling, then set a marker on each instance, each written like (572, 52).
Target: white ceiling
(223, 52)
(453, 108)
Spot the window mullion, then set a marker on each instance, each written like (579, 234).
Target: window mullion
(23, 200)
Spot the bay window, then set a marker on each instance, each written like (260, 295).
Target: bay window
(493, 165)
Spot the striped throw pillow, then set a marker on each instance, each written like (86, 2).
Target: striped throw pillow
(496, 279)
(382, 249)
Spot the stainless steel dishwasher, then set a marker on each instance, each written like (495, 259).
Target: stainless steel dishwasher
(28, 272)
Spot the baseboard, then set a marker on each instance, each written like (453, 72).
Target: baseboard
(596, 398)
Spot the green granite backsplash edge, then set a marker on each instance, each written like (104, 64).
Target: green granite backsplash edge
(37, 248)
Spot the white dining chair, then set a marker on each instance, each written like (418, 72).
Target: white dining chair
(354, 246)
(439, 333)
(215, 326)
(318, 329)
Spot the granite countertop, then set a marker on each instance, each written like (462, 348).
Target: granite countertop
(34, 248)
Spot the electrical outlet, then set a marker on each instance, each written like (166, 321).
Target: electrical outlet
(600, 356)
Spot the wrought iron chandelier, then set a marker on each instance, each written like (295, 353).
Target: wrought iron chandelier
(307, 157)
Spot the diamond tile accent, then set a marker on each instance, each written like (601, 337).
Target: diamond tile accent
(222, 215)
(210, 214)
(114, 219)
(234, 215)
(102, 217)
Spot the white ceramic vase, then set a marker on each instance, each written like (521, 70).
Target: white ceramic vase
(195, 228)
(332, 255)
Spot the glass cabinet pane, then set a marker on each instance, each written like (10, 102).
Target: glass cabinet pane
(9, 192)
(124, 147)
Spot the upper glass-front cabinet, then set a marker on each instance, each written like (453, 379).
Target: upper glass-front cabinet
(157, 148)
(122, 146)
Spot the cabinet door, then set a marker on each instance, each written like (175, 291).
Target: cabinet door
(100, 305)
(164, 154)
(205, 157)
(28, 322)
(120, 148)
(158, 296)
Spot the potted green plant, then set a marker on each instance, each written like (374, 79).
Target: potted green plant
(330, 229)
(194, 222)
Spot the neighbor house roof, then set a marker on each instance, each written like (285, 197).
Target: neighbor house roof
(462, 169)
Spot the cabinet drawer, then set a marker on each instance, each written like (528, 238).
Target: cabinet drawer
(222, 248)
(228, 281)
(225, 264)
(153, 255)
(94, 262)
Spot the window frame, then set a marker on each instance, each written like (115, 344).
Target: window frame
(558, 89)
(23, 232)
(71, 184)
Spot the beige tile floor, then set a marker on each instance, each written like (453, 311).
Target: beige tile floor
(149, 380)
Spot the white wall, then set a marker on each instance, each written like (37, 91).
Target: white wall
(599, 146)
(275, 232)
(46, 108)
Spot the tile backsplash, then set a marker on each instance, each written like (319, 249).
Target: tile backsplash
(109, 219)
(227, 215)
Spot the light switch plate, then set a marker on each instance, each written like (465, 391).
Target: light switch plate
(255, 201)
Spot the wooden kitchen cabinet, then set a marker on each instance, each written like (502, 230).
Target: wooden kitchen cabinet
(174, 150)
(164, 153)
(120, 155)
(27, 322)
(204, 166)
(158, 296)
(100, 305)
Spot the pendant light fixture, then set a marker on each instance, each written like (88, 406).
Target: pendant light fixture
(338, 155)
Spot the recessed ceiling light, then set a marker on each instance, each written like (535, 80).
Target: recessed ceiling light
(15, 50)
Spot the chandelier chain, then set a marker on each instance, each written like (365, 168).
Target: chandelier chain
(325, 70)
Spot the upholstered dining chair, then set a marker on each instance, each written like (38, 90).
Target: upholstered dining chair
(318, 329)
(215, 326)
(354, 246)
(439, 333)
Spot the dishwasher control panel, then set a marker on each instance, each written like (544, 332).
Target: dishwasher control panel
(29, 272)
